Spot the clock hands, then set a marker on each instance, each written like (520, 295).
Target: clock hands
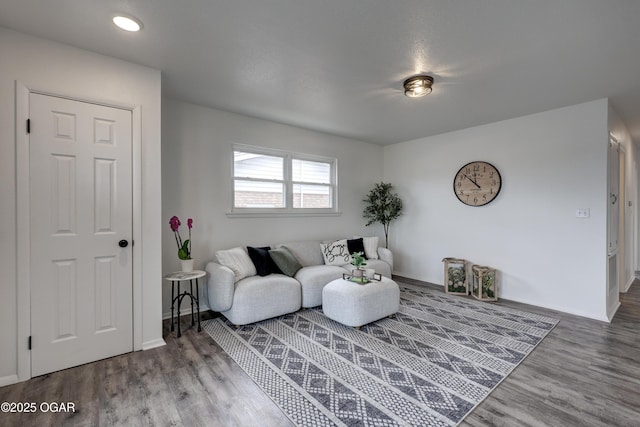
(474, 183)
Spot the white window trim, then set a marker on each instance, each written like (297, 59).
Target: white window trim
(288, 210)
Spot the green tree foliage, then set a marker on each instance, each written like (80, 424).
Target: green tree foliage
(382, 206)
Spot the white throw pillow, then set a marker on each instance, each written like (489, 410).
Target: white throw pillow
(336, 253)
(238, 261)
(370, 247)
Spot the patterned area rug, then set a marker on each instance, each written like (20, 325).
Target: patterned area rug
(430, 365)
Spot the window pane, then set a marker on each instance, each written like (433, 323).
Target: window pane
(256, 194)
(311, 196)
(307, 171)
(260, 166)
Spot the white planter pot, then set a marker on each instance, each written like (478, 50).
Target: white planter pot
(187, 265)
(357, 273)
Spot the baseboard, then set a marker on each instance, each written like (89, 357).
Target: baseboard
(626, 287)
(565, 310)
(613, 312)
(8, 380)
(159, 342)
(412, 281)
(185, 311)
(418, 282)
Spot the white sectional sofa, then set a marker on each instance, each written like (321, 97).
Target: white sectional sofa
(244, 297)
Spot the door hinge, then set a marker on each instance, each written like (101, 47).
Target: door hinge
(28, 125)
(29, 344)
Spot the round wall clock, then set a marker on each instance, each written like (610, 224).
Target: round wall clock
(477, 183)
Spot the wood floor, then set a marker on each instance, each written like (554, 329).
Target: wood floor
(585, 373)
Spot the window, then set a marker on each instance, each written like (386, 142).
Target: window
(277, 182)
(258, 180)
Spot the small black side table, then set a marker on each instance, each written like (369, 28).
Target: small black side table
(181, 276)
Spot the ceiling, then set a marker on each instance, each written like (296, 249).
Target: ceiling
(337, 66)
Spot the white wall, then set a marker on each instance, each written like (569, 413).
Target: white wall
(196, 175)
(551, 163)
(58, 69)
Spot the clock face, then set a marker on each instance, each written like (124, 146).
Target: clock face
(477, 183)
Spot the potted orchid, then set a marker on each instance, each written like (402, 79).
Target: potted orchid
(184, 248)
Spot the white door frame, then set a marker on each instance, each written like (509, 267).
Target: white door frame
(622, 216)
(636, 231)
(612, 300)
(23, 224)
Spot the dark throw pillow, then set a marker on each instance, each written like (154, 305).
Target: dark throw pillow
(285, 261)
(356, 245)
(263, 261)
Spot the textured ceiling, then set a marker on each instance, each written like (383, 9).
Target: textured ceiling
(337, 66)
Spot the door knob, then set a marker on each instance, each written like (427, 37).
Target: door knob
(123, 243)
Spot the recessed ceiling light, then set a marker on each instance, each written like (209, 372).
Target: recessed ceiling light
(417, 86)
(127, 23)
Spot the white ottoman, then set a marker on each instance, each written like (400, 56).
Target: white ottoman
(355, 305)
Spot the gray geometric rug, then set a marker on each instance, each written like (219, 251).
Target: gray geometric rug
(430, 365)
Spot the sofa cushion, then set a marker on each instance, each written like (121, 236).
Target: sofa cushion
(238, 261)
(307, 252)
(257, 298)
(285, 260)
(336, 253)
(356, 246)
(313, 278)
(262, 260)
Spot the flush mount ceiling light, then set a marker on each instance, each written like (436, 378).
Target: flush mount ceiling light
(127, 23)
(417, 86)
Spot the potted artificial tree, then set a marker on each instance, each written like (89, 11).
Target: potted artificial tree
(383, 206)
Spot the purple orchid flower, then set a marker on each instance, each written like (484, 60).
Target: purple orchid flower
(184, 249)
(174, 222)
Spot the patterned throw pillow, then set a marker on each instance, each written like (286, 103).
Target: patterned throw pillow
(238, 261)
(336, 253)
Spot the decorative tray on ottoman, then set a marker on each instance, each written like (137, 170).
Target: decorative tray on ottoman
(361, 280)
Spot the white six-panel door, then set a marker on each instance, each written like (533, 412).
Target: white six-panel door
(81, 208)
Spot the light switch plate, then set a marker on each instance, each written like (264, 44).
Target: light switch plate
(583, 213)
